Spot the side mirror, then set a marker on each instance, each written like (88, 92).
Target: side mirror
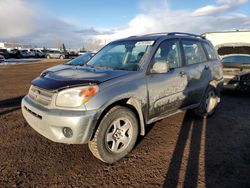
(160, 66)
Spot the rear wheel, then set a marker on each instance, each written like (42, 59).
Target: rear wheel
(116, 135)
(208, 104)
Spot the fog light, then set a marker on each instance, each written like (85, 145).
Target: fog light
(67, 132)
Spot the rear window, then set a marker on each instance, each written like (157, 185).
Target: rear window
(210, 51)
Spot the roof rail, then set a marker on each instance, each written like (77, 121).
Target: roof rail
(155, 34)
(187, 34)
(132, 36)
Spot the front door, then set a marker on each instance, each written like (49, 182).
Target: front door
(167, 91)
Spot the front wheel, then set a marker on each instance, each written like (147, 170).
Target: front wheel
(116, 135)
(208, 104)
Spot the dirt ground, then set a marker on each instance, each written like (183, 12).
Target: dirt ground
(179, 151)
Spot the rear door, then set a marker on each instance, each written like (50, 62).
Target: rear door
(197, 70)
(166, 91)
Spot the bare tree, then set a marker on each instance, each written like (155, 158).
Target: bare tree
(57, 42)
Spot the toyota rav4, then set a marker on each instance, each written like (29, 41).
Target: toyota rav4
(130, 83)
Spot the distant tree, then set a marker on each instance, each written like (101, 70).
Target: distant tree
(57, 43)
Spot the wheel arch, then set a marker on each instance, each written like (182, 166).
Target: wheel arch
(217, 85)
(133, 104)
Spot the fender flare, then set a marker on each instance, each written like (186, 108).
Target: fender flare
(137, 105)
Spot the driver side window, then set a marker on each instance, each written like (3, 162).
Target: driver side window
(169, 52)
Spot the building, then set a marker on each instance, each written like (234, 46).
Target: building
(228, 37)
(8, 45)
(230, 42)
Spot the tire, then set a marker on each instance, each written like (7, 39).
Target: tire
(48, 57)
(208, 104)
(115, 136)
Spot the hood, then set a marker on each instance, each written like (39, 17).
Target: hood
(64, 76)
(233, 48)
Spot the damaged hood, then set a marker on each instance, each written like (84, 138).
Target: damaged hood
(64, 76)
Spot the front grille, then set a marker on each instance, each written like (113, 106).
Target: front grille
(41, 96)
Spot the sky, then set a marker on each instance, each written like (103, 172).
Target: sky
(78, 23)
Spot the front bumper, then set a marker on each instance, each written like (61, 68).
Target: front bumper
(50, 122)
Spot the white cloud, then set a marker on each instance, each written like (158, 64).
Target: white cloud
(164, 19)
(222, 6)
(22, 21)
(16, 18)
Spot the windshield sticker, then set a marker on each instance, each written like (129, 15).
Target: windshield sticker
(145, 43)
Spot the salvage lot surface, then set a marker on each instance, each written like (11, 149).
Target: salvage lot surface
(178, 151)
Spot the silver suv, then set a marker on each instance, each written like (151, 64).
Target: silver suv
(55, 54)
(127, 85)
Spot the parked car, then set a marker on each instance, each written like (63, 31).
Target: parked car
(236, 70)
(4, 53)
(39, 53)
(31, 53)
(81, 52)
(73, 54)
(14, 53)
(24, 54)
(2, 58)
(127, 85)
(56, 54)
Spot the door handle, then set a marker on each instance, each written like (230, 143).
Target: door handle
(182, 73)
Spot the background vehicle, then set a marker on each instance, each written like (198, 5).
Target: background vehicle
(2, 58)
(31, 53)
(81, 52)
(127, 85)
(23, 54)
(73, 54)
(236, 70)
(14, 53)
(56, 54)
(39, 54)
(4, 53)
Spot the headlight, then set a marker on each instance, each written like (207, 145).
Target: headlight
(75, 97)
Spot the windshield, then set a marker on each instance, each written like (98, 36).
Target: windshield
(126, 55)
(80, 60)
(237, 59)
